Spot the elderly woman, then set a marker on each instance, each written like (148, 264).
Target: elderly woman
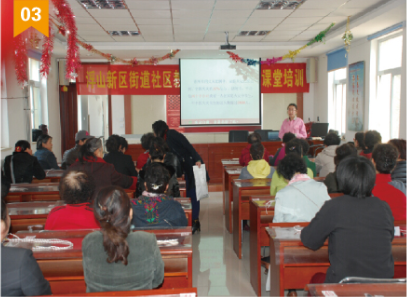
(76, 189)
(117, 146)
(257, 167)
(399, 171)
(154, 208)
(115, 259)
(359, 226)
(325, 159)
(44, 153)
(91, 161)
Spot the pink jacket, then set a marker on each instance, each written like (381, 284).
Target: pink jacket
(295, 126)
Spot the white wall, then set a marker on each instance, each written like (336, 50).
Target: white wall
(275, 109)
(145, 110)
(118, 123)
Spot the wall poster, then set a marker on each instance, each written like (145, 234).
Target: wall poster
(356, 96)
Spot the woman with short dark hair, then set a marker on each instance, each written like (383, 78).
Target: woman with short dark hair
(359, 141)
(76, 189)
(359, 226)
(384, 158)
(115, 259)
(116, 146)
(325, 159)
(371, 138)
(280, 154)
(44, 153)
(293, 124)
(341, 152)
(21, 166)
(154, 208)
(245, 157)
(146, 141)
(399, 171)
(257, 167)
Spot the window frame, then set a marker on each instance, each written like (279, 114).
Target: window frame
(333, 86)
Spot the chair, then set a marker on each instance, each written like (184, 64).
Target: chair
(238, 135)
(369, 280)
(315, 148)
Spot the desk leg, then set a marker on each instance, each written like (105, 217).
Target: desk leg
(275, 272)
(237, 227)
(228, 211)
(255, 257)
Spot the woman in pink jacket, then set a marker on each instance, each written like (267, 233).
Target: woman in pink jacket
(293, 124)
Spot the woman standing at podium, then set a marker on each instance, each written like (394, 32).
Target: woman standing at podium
(293, 124)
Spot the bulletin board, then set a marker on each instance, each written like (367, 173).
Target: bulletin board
(355, 97)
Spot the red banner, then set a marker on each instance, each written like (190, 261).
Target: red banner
(105, 79)
(284, 78)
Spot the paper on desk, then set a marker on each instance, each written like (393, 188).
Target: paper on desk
(287, 233)
(18, 189)
(329, 293)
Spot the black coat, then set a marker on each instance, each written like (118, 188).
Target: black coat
(25, 167)
(399, 172)
(70, 156)
(20, 274)
(121, 162)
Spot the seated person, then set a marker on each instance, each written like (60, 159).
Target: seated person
(341, 152)
(305, 150)
(20, 273)
(245, 156)
(359, 141)
(399, 171)
(278, 182)
(21, 166)
(72, 154)
(257, 167)
(384, 158)
(116, 146)
(359, 226)
(302, 198)
(154, 208)
(76, 190)
(372, 138)
(281, 151)
(325, 159)
(90, 160)
(44, 153)
(115, 259)
(146, 140)
(159, 152)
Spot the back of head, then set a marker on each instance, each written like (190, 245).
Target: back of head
(360, 138)
(113, 143)
(156, 178)
(76, 187)
(123, 143)
(87, 151)
(146, 140)
(257, 151)
(160, 128)
(253, 137)
(21, 146)
(356, 176)
(112, 210)
(305, 146)
(290, 165)
(294, 146)
(158, 149)
(42, 140)
(372, 138)
(385, 156)
(343, 151)
(288, 136)
(332, 139)
(400, 144)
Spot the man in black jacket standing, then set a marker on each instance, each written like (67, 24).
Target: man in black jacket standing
(71, 155)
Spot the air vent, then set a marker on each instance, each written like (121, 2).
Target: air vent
(279, 4)
(124, 33)
(103, 4)
(253, 33)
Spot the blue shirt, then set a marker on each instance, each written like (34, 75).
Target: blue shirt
(46, 158)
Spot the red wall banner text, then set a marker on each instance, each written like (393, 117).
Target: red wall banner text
(284, 78)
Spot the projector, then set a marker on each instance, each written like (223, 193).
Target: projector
(226, 47)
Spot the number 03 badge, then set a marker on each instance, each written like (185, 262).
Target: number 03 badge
(31, 13)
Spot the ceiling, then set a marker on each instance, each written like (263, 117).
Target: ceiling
(197, 27)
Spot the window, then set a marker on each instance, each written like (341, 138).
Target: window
(337, 100)
(386, 104)
(38, 95)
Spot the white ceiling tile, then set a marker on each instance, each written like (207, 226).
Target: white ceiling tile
(155, 28)
(346, 11)
(99, 38)
(120, 27)
(183, 13)
(215, 38)
(160, 21)
(224, 27)
(271, 13)
(117, 21)
(167, 38)
(189, 37)
(79, 12)
(276, 39)
(82, 20)
(301, 12)
(187, 21)
(320, 26)
(322, 4)
(93, 26)
(92, 32)
(193, 5)
(264, 21)
(334, 19)
(128, 38)
(300, 20)
(182, 30)
(150, 14)
(361, 3)
(228, 4)
(247, 38)
(108, 13)
(291, 27)
(147, 5)
(231, 13)
(219, 20)
(268, 27)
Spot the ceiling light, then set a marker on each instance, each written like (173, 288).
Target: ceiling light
(124, 33)
(279, 4)
(253, 33)
(102, 4)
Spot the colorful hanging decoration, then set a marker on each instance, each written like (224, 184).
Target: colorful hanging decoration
(321, 36)
(65, 16)
(21, 59)
(348, 36)
(47, 47)
(34, 40)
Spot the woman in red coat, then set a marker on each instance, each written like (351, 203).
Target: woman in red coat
(245, 157)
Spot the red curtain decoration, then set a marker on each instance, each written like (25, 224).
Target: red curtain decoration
(284, 78)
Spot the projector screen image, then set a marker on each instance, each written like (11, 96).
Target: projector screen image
(219, 92)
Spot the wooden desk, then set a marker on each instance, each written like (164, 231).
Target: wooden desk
(33, 215)
(242, 190)
(292, 265)
(51, 176)
(358, 289)
(184, 292)
(40, 192)
(230, 174)
(227, 163)
(64, 270)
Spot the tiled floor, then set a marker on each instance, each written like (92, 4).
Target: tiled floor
(217, 271)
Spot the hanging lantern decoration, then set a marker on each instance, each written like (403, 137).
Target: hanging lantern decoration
(20, 59)
(347, 37)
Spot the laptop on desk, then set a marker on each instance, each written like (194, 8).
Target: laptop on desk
(273, 136)
(319, 129)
